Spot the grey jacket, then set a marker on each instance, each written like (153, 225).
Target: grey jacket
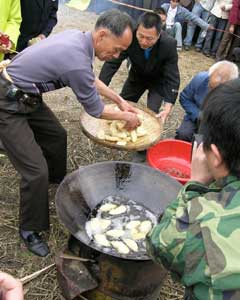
(185, 15)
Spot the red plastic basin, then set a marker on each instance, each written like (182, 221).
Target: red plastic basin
(172, 157)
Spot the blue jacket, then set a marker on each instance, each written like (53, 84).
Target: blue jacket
(184, 14)
(191, 98)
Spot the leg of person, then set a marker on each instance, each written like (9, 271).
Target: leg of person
(197, 10)
(224, 45)
(200, 40)
(221, 25)
(235, 43)
(210, 35)
(186, 130)
(132, 89)
(26, 156)
(52, 138)
(154, 100)
(178, 35)
(171, 31)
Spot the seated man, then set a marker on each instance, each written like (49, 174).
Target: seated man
(197, 238)
(191, 98)
(154, 66)
(176, 15)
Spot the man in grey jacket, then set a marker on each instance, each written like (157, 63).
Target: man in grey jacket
(34, 139)
(176, 15)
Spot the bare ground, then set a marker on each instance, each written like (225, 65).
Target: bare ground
(13, 256)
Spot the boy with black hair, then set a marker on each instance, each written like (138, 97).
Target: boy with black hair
(197, 238)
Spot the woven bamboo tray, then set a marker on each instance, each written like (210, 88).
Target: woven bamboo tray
(91, 126)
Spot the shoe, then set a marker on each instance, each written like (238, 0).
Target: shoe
(213, 55)
(186, 48)
(36, 244)
(207, 54)
(198, 49)
(139, 157)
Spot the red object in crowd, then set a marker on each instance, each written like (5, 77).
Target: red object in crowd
(172, 157)
(234, 16)
(4, 39)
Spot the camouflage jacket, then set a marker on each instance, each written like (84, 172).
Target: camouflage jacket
(198, 239)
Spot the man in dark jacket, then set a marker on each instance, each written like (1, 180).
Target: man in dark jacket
(154, 66)
(38, 19)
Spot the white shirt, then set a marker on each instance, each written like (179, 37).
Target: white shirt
(171, 16)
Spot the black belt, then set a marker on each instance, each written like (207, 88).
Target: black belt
(13, 93)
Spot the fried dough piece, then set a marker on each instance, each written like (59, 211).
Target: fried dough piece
(131, 244)
(120, 247)
(133, 224)
(119, 210)
(145, 226)
(115, 233)
(107, 207)
(101, 240)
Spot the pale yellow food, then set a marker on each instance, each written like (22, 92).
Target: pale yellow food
(116, 132)
(107, 206)
(101, 240)
(119, 210)
(115, 233)
(145, 226)
(131, 244)
(137, 235)
(99, 224)
(133, 224)
(120, 247)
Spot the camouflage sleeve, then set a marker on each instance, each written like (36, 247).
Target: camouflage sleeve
(166, 241)
(196, 240)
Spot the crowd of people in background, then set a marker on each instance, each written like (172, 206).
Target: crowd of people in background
(36, 142)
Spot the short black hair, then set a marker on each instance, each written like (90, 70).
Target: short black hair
(220, 123)
(160, 11)
(150, 20)
(114, 20)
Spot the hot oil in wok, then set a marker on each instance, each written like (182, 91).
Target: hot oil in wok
(134, 212)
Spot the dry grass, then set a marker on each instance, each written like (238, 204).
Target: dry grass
(13, 256)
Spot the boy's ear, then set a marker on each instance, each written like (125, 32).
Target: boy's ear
(217, 157)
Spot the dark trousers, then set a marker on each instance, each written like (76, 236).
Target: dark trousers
(35, 143)
(186, 130)
(133, 89)
(213, 38)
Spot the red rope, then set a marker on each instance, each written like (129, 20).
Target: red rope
(149, 10)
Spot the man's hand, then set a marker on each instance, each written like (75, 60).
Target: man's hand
(231, 28)
(125, 106)
(199, 167)
(10, 288)
(132, 120)
(41, 36)
(210, 27)
(163, 115)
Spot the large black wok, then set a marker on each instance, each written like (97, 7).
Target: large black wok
(81, 191)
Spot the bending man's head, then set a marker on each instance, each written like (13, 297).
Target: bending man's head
(221, 72)
(112, 34)
(149, 29)
(220, 127)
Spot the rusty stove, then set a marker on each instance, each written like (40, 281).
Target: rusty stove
(85, 272)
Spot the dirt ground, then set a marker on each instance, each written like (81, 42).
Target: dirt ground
(13, 256)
